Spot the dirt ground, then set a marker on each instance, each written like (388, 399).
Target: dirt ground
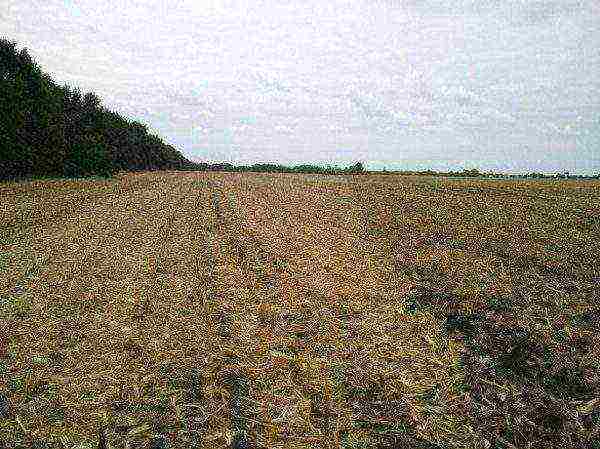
(172, 310)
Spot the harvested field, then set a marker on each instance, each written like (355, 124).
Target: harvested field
(176, 310)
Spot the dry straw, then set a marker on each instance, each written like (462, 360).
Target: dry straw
(246, 310)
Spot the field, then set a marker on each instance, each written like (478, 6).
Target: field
(180, 310)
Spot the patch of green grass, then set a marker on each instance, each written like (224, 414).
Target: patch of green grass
(56, 415)
(370, 434)
(431, 395)
(149, 408)
(88, 396)
(46, 389)
(34, 268)
(465, 324)
(200, 184)
(499, 304)
(175, 385)
(20, 305)
(85, 445)
(6, 240)
(40, 360)
(16, 383)
(586, 319)
(412, 306)
(280, 264)
(345, 199)
(184, 311)
(4, 260)
(12, 349)
(395, 428)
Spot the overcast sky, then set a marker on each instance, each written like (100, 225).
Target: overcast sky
(507, 85)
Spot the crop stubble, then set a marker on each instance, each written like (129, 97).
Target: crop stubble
(229, 310)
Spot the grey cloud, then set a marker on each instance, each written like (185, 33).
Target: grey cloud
(452, 81)
(518, 10)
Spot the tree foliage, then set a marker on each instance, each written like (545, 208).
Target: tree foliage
(47, 130)
(277, 168)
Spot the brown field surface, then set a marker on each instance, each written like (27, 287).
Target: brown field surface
(208, 310)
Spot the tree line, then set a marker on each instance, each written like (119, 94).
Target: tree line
(277, 168)
(475, 173)
(49, 130)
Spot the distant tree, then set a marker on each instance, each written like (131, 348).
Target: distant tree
(356, 168)
(471, 173)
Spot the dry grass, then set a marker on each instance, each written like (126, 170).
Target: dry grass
(265, 311)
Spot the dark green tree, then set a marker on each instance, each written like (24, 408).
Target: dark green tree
(356, 168)
(88, 157)
(51, 130)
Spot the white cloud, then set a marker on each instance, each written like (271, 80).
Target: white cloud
(434, 77)
(240, 128)
(283, 128)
